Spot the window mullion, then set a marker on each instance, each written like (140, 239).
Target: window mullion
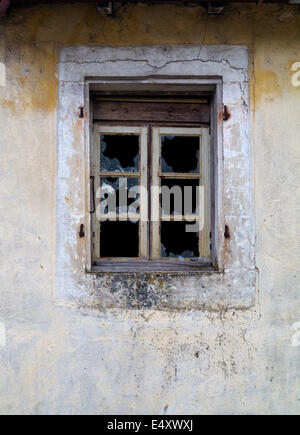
(205, 182)
(95, 174)
(144, 193)
(155, 192)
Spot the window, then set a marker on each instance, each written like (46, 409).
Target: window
(138, 87)
(121, 215)
(180, 168)
(150, 185)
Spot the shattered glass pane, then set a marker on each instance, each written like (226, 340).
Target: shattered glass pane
(177, 243)
(180, 154)
(119, 153)
(179, 196)
(119, 195)
(119, 239)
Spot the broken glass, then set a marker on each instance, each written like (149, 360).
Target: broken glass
(177, 243)
(119, 153)
(180, 154)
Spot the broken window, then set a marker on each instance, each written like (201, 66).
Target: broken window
(151, 186)
(119, 153)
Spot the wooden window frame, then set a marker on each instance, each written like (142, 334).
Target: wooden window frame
(141, 174)
(202, 176)
(155, 264)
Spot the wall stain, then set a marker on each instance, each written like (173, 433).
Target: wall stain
(267, 86)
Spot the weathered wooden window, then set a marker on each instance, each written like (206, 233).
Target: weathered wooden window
(151, 185)
(120, 167)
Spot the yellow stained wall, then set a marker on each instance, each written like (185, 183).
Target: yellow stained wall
(57, 360)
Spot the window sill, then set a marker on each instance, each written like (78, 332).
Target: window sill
(152, 266)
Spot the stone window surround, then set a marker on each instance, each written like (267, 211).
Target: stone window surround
(221, 68)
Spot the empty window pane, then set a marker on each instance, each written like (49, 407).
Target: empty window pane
(180, 154)
(176, 242)
(119, 239)
(119, 153)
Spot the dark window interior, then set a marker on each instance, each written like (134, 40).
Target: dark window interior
(119, 153)
(119, 239)
(179, 154)
(177, 243)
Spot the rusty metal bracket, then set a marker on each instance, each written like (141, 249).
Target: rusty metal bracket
(80, 112)
(81, 231)
(226, 114)
(227, 232)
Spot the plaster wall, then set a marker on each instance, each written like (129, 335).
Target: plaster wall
(60, 358)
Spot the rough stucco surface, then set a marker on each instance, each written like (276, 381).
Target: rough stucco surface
(59, 358)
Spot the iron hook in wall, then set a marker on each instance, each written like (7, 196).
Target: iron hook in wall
(93, 194)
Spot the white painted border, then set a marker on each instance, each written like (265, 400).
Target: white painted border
(224, 66)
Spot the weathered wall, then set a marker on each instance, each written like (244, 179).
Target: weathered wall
(62, 359)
